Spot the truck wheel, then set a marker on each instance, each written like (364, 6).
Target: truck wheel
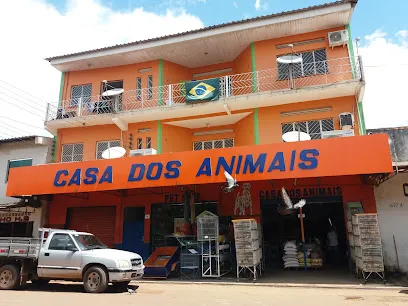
(40, 282)
(95, 280)
(120, 287)
(9, 277)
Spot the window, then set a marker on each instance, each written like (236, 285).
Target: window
(80, 94)
(148, 69)
(148, 142)
(88, 242)
(213, 144)
(139, 143)
(150, 87)
(314, 128)
(111, 85)
(60, 242)
(104, 145)
(72, 152)
(139, 89)
(314, 62)
(18, 163)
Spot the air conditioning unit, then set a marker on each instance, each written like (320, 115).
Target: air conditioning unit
(141, 152)
(337, 133)
(338, 38)
(346, 121)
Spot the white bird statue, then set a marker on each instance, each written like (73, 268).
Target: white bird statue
(288, 201)
(231, 183)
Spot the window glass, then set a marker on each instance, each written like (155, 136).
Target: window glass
(60, 242)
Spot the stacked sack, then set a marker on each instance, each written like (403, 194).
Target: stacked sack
(290, 259)
(317, 261)
(301, 258)
(313, 259)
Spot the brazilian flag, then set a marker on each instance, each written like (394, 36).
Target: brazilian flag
(206, 90)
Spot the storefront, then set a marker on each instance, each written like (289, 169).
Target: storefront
(327, 204)
(137, 203)
(20, 221)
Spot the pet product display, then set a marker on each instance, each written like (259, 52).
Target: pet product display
(290, 257)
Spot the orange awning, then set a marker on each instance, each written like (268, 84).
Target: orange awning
(316, 158)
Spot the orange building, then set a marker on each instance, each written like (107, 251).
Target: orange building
(199, 103)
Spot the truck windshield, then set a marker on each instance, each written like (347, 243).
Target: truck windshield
(89, 242)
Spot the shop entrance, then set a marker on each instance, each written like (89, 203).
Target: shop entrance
(99, 221)
(133, 231)
(320, 217)
(164, 216)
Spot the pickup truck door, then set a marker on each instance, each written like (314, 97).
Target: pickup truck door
(56, 260)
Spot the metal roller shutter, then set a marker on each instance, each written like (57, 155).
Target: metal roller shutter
(99, 221)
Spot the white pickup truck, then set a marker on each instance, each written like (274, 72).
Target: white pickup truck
(66, 255)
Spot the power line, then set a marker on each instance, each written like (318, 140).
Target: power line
(25, 98)
(21, 90)
(18, 106)
(13, 132)
(7, 134)
(385, 65)
(10, 127)
(37, 127)
(18, 129)
(41, 110)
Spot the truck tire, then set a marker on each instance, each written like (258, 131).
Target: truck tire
(95, 280)
(9, 277)
(39, 283)
(120, 287)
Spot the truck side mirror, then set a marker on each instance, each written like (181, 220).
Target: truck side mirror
(71, 247)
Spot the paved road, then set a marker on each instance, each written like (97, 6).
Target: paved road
(203, 295)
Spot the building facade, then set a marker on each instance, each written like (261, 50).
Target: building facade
(188, 107)
(391, 196)
(19, 217)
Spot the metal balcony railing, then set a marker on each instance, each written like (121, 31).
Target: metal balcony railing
(316, 74)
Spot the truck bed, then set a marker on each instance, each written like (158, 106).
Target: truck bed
(19, 248)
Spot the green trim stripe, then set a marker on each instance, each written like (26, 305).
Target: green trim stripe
(255, 89)
(256, 126)
(253, 64)
(161, 68)
(362, 125)
(62, 81)
(350, 48)
(159, 137)
(61, 92)
(159, 125)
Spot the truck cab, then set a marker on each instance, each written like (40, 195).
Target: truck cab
(67, 255)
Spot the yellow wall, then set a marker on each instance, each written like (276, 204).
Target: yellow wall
(266, 52)
(245, 131)
(176, 139)
(127, 73)
(270, 118)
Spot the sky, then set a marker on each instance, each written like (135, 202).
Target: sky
(35, 29)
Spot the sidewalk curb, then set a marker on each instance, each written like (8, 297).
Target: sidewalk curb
(275, 285)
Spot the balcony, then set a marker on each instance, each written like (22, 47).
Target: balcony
(325, 79)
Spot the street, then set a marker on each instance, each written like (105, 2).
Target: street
(203, 295)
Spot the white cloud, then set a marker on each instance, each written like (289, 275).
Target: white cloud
(257, 4)
(180, 3)
(39, 30)
(235, 4)
(402, 37)
(385, 63)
